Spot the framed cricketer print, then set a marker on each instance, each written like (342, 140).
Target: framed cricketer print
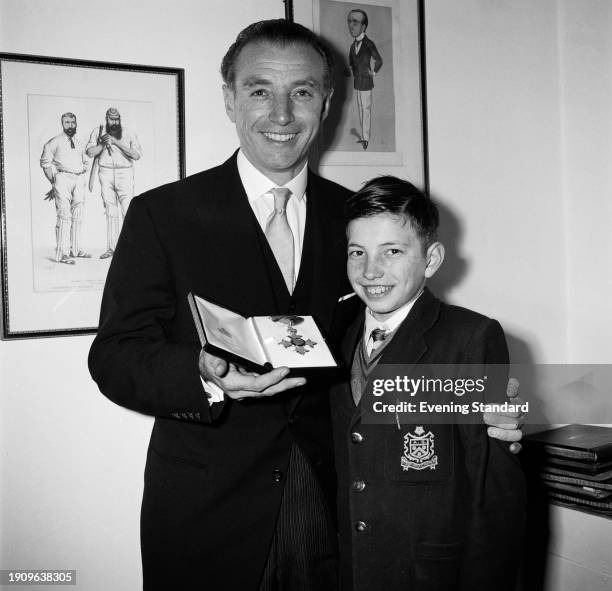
(378, 111)
(79, 140)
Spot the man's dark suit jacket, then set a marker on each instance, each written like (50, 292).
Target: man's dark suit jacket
(457, 526)
(214, 475)
(361, 64)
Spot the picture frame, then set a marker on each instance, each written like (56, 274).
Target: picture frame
(56, 199)
(396, 91)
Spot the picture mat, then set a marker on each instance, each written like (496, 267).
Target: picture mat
(340, 135)
(43, 124)
(409, 119)
(75, 305)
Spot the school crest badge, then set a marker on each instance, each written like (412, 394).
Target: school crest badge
(419, 450)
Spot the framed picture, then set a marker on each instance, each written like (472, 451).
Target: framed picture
(78, 140)
(378, 115)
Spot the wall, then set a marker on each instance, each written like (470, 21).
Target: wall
(519, 154)
(580, 553)
(586, 53)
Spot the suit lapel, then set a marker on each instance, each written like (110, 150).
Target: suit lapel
(349, 347)
(238, 248)
(409, 343)
(352, 339)
(323, 254)
(324, 251)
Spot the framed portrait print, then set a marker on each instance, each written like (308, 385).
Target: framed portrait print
(78, 140)
(377, 115)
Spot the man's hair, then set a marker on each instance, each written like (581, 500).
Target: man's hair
(71, 115)
(365, 16)
(278, 32)
(388, 194)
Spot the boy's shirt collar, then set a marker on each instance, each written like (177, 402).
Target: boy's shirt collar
(391, 323)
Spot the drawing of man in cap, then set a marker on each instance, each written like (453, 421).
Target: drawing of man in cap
(114, 148)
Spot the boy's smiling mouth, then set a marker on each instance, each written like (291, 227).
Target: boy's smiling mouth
(377, 290)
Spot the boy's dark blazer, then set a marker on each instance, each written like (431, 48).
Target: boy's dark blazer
(215, 473)
(457, 526)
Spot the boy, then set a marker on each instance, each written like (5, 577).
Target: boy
(455, 522)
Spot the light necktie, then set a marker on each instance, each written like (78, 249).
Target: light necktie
(280, 236)
(377, 337)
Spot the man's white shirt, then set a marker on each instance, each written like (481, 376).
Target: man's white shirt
(59, 155)
(358, 41)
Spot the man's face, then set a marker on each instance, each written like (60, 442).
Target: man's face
(386, 264)
(69, 125)
(278, 103)
(113, 122)
(356, 25)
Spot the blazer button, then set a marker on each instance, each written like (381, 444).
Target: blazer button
(361, 526)
(358, 485)
(277, 475)
(356, 437)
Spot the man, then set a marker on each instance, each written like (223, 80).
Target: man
(418, 503)
(365, 62)
(114, 148)
(239, 479)
(64, 163)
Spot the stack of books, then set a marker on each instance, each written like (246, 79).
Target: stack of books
(575, 465)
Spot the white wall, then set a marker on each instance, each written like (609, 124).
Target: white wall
(520, 129)
(580, 553)
(494, 161)
(585, 41)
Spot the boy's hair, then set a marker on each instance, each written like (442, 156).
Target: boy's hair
(388, 194)
(279, 33)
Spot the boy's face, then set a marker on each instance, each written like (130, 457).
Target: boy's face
(386, 264)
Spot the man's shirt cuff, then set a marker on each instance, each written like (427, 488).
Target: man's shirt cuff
(213, 392)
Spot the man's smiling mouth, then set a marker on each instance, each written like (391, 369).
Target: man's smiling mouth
(279, 137)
